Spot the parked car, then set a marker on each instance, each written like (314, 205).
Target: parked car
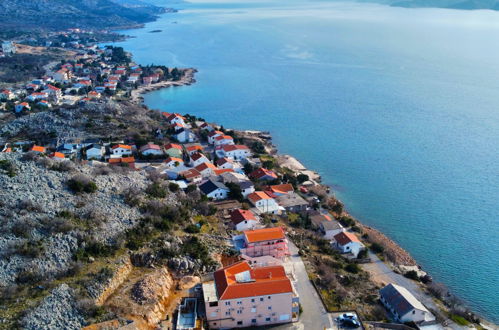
(348, 320)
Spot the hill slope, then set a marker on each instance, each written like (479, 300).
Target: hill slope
(57, 14)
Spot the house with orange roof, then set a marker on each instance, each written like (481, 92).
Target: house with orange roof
(224, 163)
(174, 150)
(223, 140)
(263, 174)
(172, 162)
(263, 202)
(191, 175)
(7, 95)
(184, 135)
(151, 149)
(347, 242)
(198, 158)
(193, 149)
(243, 219)
(127, 161)
(233, 151)
(57, 156)
(212, 135)
(264, 242)
(121, 150)
(94, 95)
(38, 149)
(175, 118)
(22, 106)
(281, 189)
(207, 127)
(242, 295)
(206, 169)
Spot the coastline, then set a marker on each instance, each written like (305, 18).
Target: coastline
(402, 261)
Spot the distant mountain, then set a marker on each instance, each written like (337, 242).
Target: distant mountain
(57, 14)
(452, 4)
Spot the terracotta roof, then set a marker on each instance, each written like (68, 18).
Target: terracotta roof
(37, 148)
(204, 166)
(262, 172)
(239, 215)
(224, 137)
(150, 146)
(345, 238)
(215, 133)
(224, 170)
(282, 188)
(53, 88)
(197, 156)
(124, 146)
(173, 159)
(222, 161)
(262, 281)
(258, 195)
(57, 155)
(173, 146)
(114, 160)
(195, 147)
(232, 147)
(192, 173)
(128, 160)
(265, 234)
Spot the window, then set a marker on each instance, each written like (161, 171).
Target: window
(269, 297)
(213, 303)
(269, 308)
(239, 312)
(253, 320)
(240, 302)
(227, 303)
(252, 300)
(267, 319)
(227, 313)
(239, 322)
(261, 299)
(413, 312)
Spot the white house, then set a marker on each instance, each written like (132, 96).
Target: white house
(151, 149)
(263, 202)
(185, 135)
(198, 158)
(243, 219)
(224, 163)
(206, 169)
(331, 229)
(173, 162)
(95, 151)
(21, 106)
(247, 188)
(403, 305)
(212, 135)
(121, 150)
(214, 189)
(235, 152)
(347, 242)
(223, 140)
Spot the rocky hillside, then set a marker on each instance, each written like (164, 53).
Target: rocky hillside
(60, 14)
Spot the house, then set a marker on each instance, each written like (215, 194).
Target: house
(172, 162)
(247, 188)
(214, 189)
(281, 189)
(207, 127)
(331, 229)
(61, 76)
(37, 96)
(198, 158)
(191, 175)
(224, 163)
(7, 95)
(22, 106)
(223, 140)
(235, 152)
(206, 169)
(263, 202)
(151, 149)
(292, 203)
(194, 149)
(403, 305)
(265, 242)
(38, 149)
(242, 295)
(130, 161)
(94, 95)
(174, 150)
(57, 156)
(263, 174)
(347, 242)
(184, 135)
(44, 103)
(121, 150)
(317, 218)
(95, 151)
(53, 92)
(243, 219)
(212, 135)
(175, 118)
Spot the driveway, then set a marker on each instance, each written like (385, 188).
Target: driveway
(314, 315)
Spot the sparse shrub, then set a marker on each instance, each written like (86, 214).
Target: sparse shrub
(362, 254)
(190, 188)
(173, 187)
(132, 196)
(347, 221)
(29, 205)
(94, 249)
(192, 229)
(6, 167)
(302, 178)
(30, 156)
(31, 249)
(156, 190)
(63, 166)
(352, 268)
(101, 170)
(22, 229)
(82, 184)
(377, 248)
(31, 276)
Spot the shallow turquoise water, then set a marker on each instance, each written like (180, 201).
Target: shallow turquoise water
(398, 109)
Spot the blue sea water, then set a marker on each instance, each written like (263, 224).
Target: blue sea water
(398, 109)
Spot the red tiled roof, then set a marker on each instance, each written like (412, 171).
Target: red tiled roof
(37, 148)
(261, 172)
(345, 238)
(195, 147)
(215, 133)
(124, 146)
(232, 147)
(239, 215)
(173, 146)
(204, 166)
(265, 234)
(197, 156)
(224, 137)
(224, 170)
(192, 173)
(264, 281)
(57, 155)
(282, 188)
(173, 159)
(258, 195)
(222, 161)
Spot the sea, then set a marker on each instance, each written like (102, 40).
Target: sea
(397, 109)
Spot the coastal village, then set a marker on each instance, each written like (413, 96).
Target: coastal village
(289, 254)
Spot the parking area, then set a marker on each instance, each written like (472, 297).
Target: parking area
(346, 320)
